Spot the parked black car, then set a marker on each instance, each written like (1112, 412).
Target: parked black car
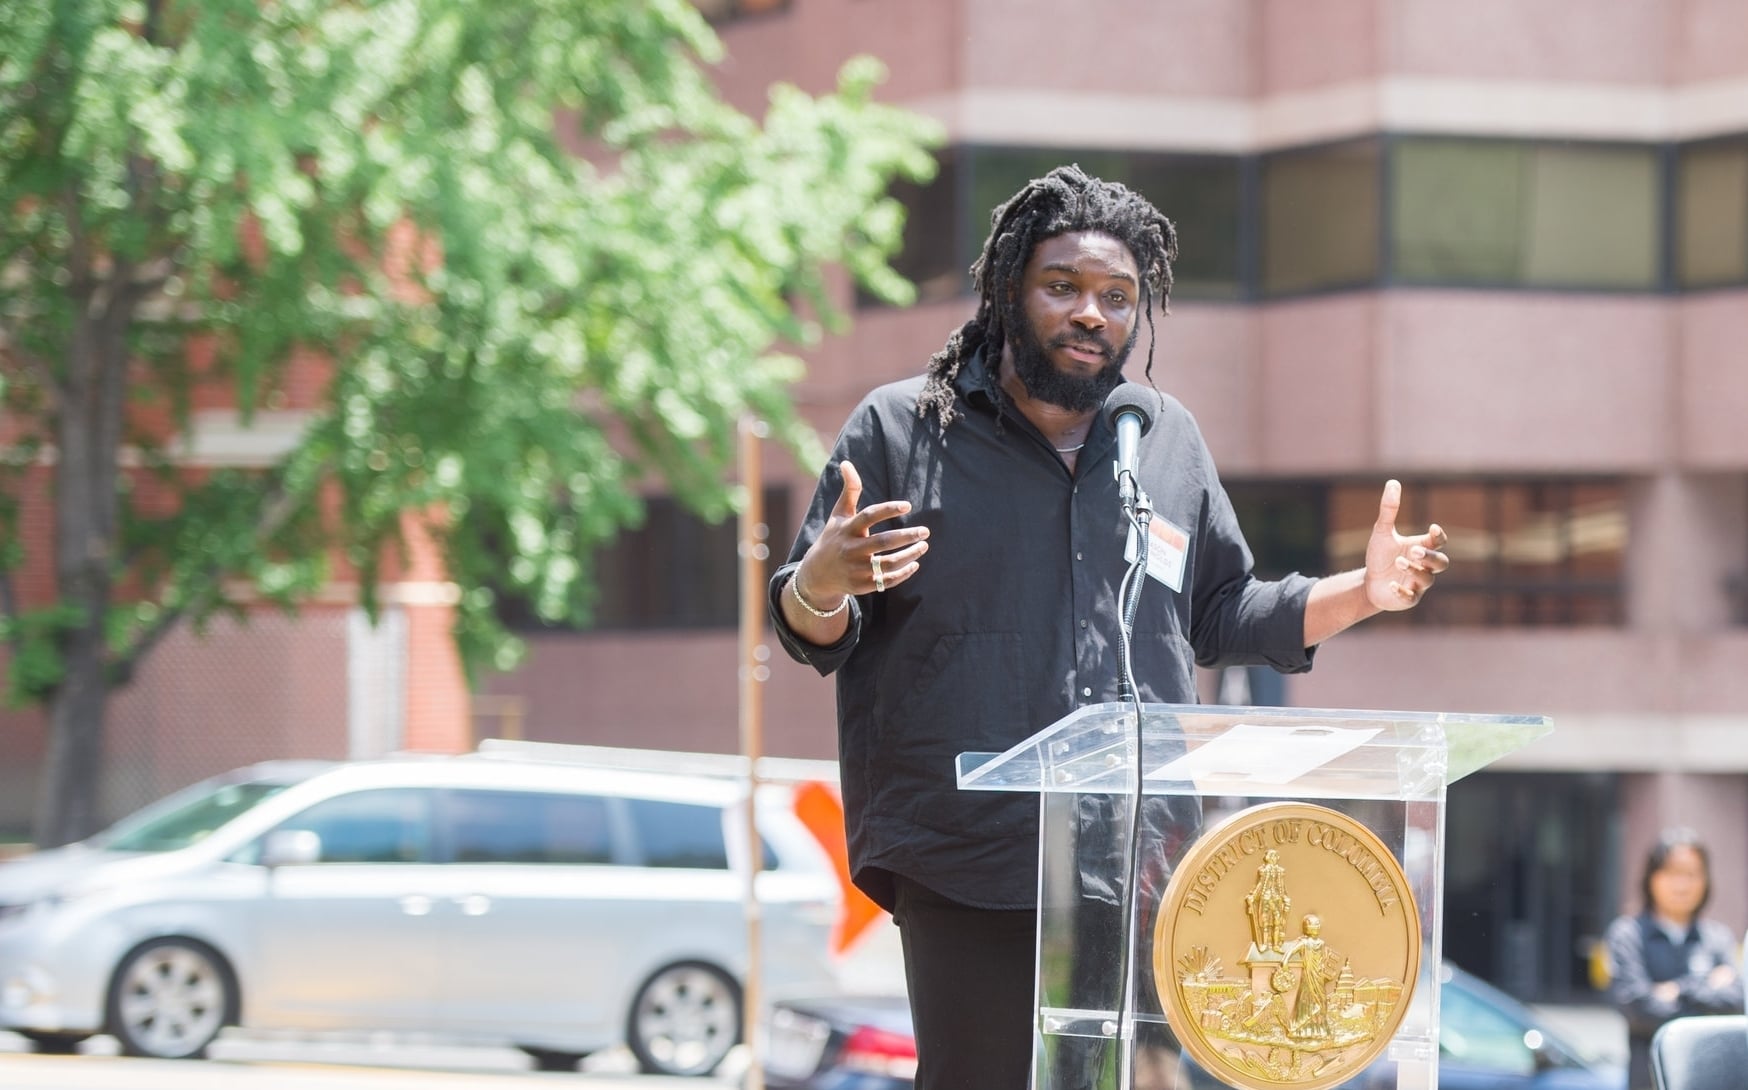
(1487, 1041)
(842, 1043)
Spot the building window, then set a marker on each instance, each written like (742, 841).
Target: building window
(676, 571)
(1711, 213)
(1201, 195)
(1505, 213)
(934, 255)
(1486, 212)
(722, 11)
(1319, 218)
(948, 218)
(1525, 553)
(1203, 198)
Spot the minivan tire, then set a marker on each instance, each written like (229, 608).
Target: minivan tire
(53, 1044)
(553, 1059)
(684, 1020)
(170, 998)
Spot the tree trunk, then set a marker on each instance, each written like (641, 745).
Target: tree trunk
(67, 795)
(88, 453)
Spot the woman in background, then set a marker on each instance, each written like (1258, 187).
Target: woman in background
(1666, 961)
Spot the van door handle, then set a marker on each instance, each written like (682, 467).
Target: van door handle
(474, 904)
(416, 904)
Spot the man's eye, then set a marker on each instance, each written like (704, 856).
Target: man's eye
(1117, 298)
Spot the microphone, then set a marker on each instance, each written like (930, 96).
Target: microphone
(1129, 409)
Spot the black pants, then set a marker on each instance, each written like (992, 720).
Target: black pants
(970, 976)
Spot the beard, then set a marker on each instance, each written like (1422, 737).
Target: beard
(1076, 393)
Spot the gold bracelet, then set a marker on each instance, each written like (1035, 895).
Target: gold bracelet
(795, 589)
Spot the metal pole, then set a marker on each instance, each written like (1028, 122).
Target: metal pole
(753, 671)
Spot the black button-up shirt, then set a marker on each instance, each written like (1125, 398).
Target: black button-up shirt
(1011, 622)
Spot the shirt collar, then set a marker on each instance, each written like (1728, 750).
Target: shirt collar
(975, 381)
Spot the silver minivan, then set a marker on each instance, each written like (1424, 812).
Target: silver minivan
(558, 908)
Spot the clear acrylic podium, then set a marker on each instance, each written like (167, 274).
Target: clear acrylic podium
(1099, 1020)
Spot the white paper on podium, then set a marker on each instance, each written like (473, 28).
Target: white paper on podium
(1252, 753)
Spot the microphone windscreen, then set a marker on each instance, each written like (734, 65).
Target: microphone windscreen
(1132, 397)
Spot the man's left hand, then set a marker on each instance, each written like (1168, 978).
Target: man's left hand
(1400, 570)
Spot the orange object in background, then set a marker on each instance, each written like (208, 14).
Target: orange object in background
(820, 809)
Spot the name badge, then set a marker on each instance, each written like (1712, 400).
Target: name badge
(1167, 546)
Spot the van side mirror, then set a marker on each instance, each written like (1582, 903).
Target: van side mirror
(291, 848)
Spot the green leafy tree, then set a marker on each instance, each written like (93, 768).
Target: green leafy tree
(518, 334)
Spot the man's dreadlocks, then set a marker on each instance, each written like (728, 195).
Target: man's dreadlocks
(1066, 199)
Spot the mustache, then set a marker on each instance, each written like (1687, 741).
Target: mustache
(1084, 340)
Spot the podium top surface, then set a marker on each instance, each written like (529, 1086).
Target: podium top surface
(1258, 752)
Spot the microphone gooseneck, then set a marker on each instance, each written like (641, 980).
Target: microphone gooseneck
(1129, 408)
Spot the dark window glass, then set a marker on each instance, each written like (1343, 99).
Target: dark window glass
(722, 11)
(1533, 864)
(679, 834)
(1456, 210)
(1202, 198)
(948, 218)
(999, 173)
(392, 825)
(1460, 211)
(1286, 525)
(1711, 213)
(527, 827)
(1523, 552)
(1524, 213)
(674, 571)
(1199, 194)
(934, 256)
(1320, 218)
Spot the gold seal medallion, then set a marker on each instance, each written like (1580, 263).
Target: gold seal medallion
(1286, 948)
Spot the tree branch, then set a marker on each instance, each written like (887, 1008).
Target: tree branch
(277, 511)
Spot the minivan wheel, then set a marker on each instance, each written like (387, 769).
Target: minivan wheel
(53, 1044)
(684, 1020)
(169, 999)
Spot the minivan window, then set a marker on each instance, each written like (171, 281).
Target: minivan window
(682, 834)
(679, 834)
(189, 824)
(527, 827)
(390, 825)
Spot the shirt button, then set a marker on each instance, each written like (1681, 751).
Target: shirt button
(1086, 691)
(1083, 622)
(1077, 556)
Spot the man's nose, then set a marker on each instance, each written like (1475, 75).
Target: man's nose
(1088, 315)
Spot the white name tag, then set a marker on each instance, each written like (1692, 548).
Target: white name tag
(1167, 546)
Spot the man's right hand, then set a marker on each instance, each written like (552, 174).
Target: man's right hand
(849, 557)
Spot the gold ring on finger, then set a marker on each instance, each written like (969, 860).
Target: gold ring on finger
(879, 576)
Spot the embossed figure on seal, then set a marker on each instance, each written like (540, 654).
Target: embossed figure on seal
(1268, 903)
(1298, 1011)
